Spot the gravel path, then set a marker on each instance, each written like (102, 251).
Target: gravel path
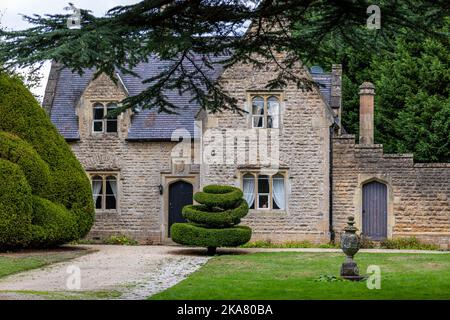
(136, 272)
(126, 272)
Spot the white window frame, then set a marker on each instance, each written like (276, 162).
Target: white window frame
(105, 176)
(265, 96)
(104, 121)
(256, 176)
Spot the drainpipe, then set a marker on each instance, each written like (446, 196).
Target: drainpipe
(330, 210)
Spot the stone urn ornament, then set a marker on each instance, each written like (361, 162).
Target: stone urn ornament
(350, 244)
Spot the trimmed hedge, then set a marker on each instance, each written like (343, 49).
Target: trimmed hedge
(213, 223)
(20, 152)
(225, 197)
(15, 206)
(202, 215)
(52, 224)
(193, 235)
(62, 207)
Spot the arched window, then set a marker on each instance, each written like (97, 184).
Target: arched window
(104, 191)
(258, 112)
(249, 189)
(266, 111)
(103, 120)
(97, 191)
(278, 193)
(111, 192)
(273, 112)
(99, 114)
(111, 120)
(264, 192)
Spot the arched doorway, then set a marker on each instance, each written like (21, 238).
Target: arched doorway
(374, 210)
(180, 195)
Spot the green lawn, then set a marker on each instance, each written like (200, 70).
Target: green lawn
(14, 263)
(291, 275)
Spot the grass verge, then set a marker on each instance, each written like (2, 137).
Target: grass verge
(292, 276)
(12, 263)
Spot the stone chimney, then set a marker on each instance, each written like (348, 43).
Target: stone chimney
(336, 92)
(366, 107)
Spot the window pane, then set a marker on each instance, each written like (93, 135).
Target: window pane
(263, 184)
(258, 106)
(263, 201)
(258, 121)
(98, 126)
(273, 112)
(111, 125)
(110, 108)
(98, 202)
(99, 112)
(97, 191)
(111, 202)
(111, 192)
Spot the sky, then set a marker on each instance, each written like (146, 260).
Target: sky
(10, 18)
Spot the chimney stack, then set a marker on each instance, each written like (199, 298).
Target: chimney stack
(336, 92)
(366, 108)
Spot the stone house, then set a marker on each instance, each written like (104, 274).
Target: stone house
(315, 177)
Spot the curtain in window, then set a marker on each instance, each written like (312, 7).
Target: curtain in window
(113, 184)
(96, 187)
(278, 191)
(273, 110)
(249, 189)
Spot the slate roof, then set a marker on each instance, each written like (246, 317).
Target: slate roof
(324, 81)
(146, 124)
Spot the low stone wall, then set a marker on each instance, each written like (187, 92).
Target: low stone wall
(418, 194)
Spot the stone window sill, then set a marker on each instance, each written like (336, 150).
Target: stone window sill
(101, 212)
(265, 213)
(104, 135)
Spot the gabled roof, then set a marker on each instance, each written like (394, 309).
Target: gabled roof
(65, 88)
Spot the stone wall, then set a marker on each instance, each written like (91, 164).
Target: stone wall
(140, 167)
(418, 194)
(303, 149)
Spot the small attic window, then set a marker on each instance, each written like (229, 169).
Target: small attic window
(102, 123)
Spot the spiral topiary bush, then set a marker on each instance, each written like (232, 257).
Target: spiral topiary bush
(213, 223)
(45, 195)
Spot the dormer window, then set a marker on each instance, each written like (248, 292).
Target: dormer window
(102, 123)
(265, 111)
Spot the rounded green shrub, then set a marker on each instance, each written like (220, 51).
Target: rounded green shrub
(213, 222)
(194, 235)
(225, 197)
(202, 215)
(59, 204)
(15, 206)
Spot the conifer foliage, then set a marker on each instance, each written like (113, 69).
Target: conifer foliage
(45, 195)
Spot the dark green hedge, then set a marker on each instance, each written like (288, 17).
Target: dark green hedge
(20, 152)
(52, 224)
(30, 141)
(15, 206)
(225, 197)
(200, 214)
(192, 235)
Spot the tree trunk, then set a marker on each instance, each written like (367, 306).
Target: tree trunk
(211, 251)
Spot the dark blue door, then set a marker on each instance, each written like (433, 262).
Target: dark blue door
(180, 195)
(374, 210)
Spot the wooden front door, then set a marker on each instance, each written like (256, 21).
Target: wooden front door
(180, 195)
(374, 210)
